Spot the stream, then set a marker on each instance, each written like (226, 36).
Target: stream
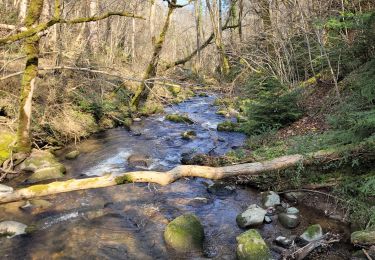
(128, 221)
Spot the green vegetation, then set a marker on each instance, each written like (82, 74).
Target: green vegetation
(176, 118)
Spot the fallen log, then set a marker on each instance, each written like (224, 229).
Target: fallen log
(165, 178)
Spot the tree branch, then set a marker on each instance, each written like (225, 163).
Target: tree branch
(44, 26)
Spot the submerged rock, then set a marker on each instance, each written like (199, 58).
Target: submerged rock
(312, 233)
(363, 237)
(5, 189)
(221, 189)
(270, 199)
(251, 246)
(254, 215)
(289, 220)
(36, 205)
(185, 233)
(139, 160)
(12, 228)
(267, 220)
(72, 155)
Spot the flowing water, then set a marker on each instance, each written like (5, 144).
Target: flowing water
(127, 221)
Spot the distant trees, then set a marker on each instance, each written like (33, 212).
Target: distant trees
(30, 35)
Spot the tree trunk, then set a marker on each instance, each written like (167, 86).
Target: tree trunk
(31, 50)
(215, 13)
(198, 30)
(162, 178)
(22, 10)
(152, 20)
(240, 17)
(144, 88)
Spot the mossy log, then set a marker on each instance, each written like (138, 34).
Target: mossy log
(164, 178)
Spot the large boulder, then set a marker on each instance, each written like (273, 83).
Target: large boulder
(185, 233)
(39, 159)
(251, 246)
(312, 233)
(6, 141)
(12, 228)
(252, 216)
(270, 199)
(44, 166)
(363, 237)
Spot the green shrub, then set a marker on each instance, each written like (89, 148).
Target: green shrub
(270, 105)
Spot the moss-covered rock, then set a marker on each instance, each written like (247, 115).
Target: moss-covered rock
(6, 141)
(174, 89)
(179, 119)
(48, 173)
(72, 155)
(185, 233)
(251, 246)
(313, 232)
(363, 237)
(189, 135)
(227, 126)
(39, 159)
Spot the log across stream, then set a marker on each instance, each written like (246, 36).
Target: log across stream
(127, 221)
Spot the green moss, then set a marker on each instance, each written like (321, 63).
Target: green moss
(251, 246)
(185, 233)
(123, 179)
(312, 230)
(174, 89)
(179, 119)
(37, 189)
(364, 237)
(6, 141)
(188, 135)
(228, 126)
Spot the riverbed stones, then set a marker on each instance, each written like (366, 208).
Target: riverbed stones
(312, 233)
(72, 155)
(185, 233)
(252, 216)
(363, 237)
(289, 220)
(270, 199)
(48, 173)
(292, 210)
(12, 228)
(251, 246)
(5, 189)
(36, 206)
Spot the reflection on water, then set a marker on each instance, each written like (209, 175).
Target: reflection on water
(127, 221)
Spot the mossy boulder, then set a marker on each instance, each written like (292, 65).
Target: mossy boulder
(312, 233)
(227, 126)
(48, 173)
(189, 135)
(251, 246)
(174, 89)
(185, 233)
(363, 237)
(39, 159)
(72, 155)
(6, 141)
(177, 118)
